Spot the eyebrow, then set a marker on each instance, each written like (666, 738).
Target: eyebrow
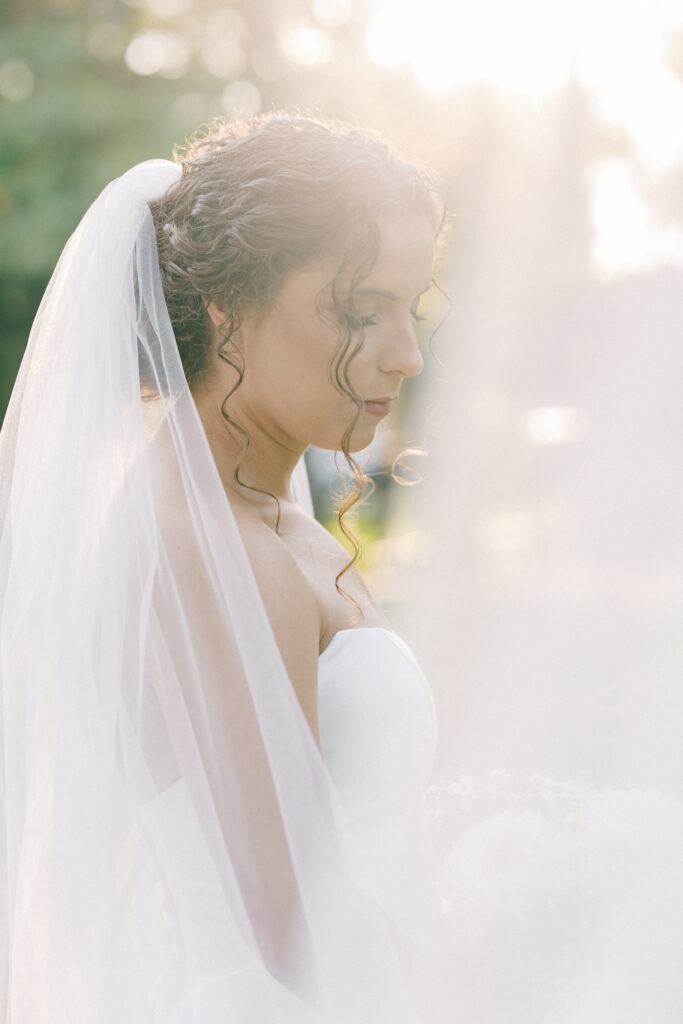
(387, 295)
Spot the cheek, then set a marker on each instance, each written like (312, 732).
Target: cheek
(293, 371)
(295, 367)
(305, 357)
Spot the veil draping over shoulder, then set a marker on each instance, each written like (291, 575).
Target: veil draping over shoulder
(174, 849)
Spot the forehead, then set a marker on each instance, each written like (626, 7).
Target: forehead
(403, 268)
(405, 262)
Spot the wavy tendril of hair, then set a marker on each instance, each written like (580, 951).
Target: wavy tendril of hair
(413, 449)
(256, 201)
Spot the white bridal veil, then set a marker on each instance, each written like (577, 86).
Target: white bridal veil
(546, 595)
(174, 851)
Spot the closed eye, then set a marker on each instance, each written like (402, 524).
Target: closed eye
(371, 321)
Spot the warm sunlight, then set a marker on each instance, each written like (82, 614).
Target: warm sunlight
(465, 44)
(529, 47)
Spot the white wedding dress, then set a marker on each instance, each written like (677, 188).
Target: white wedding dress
(377, 722)
(378, 739)
(146, 709)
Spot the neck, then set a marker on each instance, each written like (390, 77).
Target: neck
(268, 463)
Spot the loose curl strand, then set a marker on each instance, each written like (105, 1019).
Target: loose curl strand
(258, 200)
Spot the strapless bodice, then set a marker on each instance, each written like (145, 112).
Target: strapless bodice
(378, 733)
(377, 736)
(377, 720)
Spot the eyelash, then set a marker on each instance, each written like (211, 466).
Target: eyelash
(370, 321)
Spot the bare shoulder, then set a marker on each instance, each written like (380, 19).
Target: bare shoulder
(290, 602)
(285, 589)
(323, 560)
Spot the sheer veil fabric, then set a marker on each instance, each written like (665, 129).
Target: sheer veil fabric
(148, 722)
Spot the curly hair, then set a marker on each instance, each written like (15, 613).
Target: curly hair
(259, 199)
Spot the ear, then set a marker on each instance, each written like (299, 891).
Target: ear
(219, 318)
(217, 314)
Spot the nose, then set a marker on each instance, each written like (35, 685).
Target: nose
(402, 352)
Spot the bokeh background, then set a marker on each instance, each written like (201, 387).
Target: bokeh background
(536, 564)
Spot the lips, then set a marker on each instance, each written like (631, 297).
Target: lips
(378, 406)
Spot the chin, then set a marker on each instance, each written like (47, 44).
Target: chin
(362, 435)
(358, 445)
(359, 441)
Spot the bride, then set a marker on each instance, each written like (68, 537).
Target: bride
(215, 747)
(293, 264)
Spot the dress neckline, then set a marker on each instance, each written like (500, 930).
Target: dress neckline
(356, 629)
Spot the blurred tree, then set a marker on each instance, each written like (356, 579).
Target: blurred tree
(70, 122)
(89, 88)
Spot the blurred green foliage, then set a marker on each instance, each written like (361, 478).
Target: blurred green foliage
(75, 115)
(83, 123)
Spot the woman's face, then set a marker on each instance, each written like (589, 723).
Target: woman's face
(288, 349)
